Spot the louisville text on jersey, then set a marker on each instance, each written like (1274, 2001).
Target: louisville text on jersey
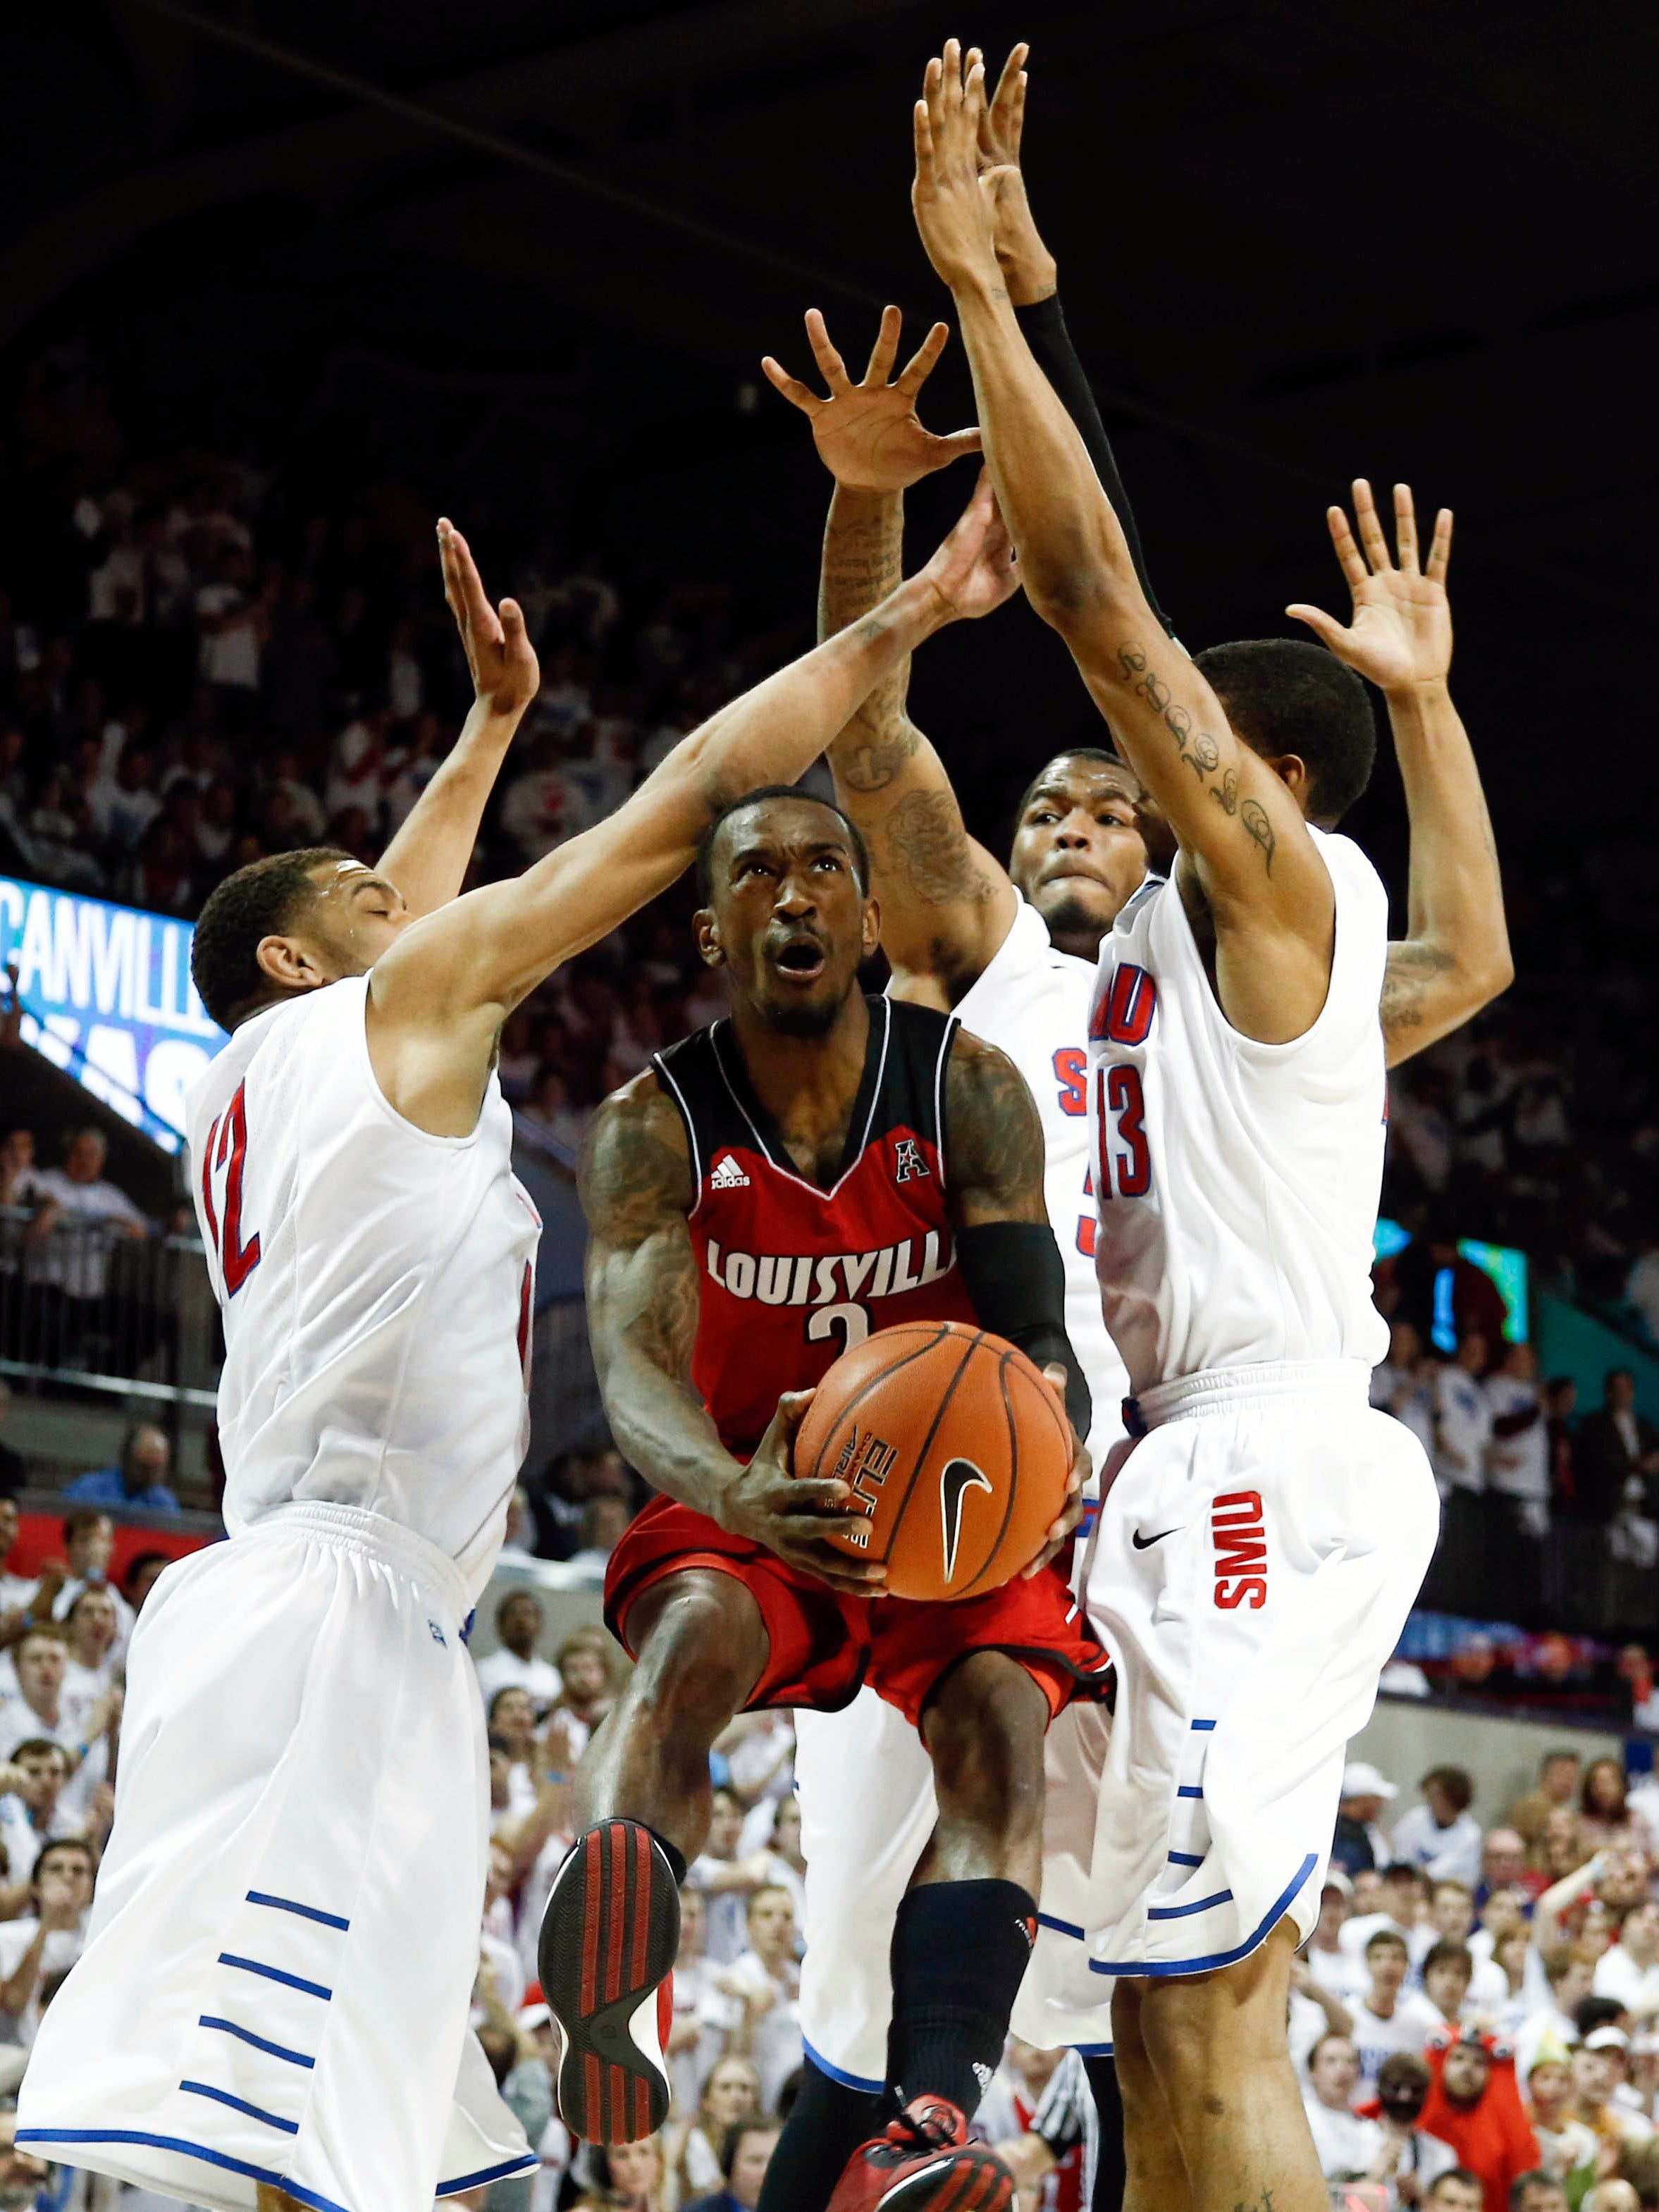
(805, 1279)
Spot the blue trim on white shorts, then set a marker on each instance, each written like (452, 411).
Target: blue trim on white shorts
(282, 2181)
(1062, 1927)
(305, 1912)
(840, 2074)
(529, 2163)
(1204, 1726)
(1185, 1858)
(1186, 1912)
(241, 2105)
(1148, 1967)
(259, 2043)
(277, 1974)
(1095, 2050)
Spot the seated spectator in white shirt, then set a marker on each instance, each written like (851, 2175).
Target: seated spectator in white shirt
(89, 1544)
(1346, 2144)
(604, 1525)
(501, 1974)
(1568, 1971)
(1410, 2160)
(511, 1719)
(31, 1784)
(693, 2045)
(93, 1630)
(725, 1880)
(1447, 1972)
(1333, 1966)
(1451, 1920)
(1629, 1970)
(693, 2141)
(1515, 1959)
(585, 1661)
(1388, 2017)
(1462, 1419)
(519, 1621)
(1397, 1898)
(756, 1999)
(77, 1196)
(49, 1940)
(1441, 1835)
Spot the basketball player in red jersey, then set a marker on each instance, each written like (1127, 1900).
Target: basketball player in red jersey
(770, 1190)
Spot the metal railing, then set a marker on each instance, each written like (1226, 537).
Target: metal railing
(85, 1305)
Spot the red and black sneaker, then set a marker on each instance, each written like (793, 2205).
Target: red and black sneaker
(924, 2158)
(608, 1943)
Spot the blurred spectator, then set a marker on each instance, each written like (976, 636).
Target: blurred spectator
(744, 2157)
(511, 1719)
(1347, 2146)
(519, 1622)
(47, 1941)
(77, 1196)
(13, 1473)
(1457, 2190)
(1567, 2148)
(1560, 1401)
(604, 1525)
(584, 1663)
(1388, 2017)
(18, 1593)
(1462, 1419)
(693, 2143)
(693, 2047)
(571, 1482)
(1474, 2105)
(1518, 1457)
(1538, 2191)
(1361, 1841)
(755, 2001)
(31, 1786)
(89, 1542)
(1606, 1818)
(726, 1880)
(1332, 1964)
(1441, 1835)
(139, 1477)
(1614, 1444)
(1629, 1970)
(1410, 2159)
(1447, 1971)
(1559, 1778)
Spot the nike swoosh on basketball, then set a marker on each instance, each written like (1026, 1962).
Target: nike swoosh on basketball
(1144, 1543)
(959, 1477)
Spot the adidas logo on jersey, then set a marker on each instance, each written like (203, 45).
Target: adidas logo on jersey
(728, 1176)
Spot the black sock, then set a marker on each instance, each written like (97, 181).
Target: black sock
(827, 2123)
(1111, 2174)
(960, 1950)
(675, 1857)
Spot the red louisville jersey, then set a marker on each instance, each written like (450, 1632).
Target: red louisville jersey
(792, 1274)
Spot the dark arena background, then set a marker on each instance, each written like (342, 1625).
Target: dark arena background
(281, 282)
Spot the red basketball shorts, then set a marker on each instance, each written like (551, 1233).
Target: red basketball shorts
(824, 1647)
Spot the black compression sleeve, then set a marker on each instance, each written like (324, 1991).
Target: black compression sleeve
(1013, 1274)
(1046, 333)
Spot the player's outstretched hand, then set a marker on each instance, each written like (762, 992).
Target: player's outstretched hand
(1060, 1532)
(794, 1515)
(1401, 635)
(1028, 267)
(974, 570)
(869, 435)
(955, 211)
(499, 653)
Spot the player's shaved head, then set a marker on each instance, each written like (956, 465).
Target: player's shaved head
(1080, 849)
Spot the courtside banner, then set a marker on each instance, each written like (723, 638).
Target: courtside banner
(106, 994)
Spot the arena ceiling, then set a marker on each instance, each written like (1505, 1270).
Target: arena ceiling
(1297, 237)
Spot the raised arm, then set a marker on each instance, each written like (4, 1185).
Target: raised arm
(1456, 955)
(427, 858)
(1246, 850)
(643, 1298)
(438, 997)
(946, 904)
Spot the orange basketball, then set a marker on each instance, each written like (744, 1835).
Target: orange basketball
(956, 1449)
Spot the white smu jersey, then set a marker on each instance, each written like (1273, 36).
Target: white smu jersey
(376, 1285)
(1237, 1182)
(1032, 1002)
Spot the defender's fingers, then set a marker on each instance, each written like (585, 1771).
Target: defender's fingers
(1440, 547)
(1329, 631)
(1405, 529)
(922, 137)
(797, 393)
(1015, 128)
(961, 443)
(833, 368)
(921, 363)
(1348, 552)
(973, 95)
(886, 349)
(932, 92)
(1371, 536)
(511, 616)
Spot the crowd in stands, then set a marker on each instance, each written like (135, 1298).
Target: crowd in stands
(1483, 2003)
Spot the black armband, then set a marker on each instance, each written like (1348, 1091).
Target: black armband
(1044, 326)
(1013, 1274)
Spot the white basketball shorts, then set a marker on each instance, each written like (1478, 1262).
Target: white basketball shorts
(1257, 1554)
(867, 1806)
(283, 1942)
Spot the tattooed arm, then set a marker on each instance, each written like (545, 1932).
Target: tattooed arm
(1246, 855)
(946, 904)
(1457, 955)
(643, 1301)
(438, 996)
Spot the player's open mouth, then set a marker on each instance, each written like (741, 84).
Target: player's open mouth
(801, 960)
